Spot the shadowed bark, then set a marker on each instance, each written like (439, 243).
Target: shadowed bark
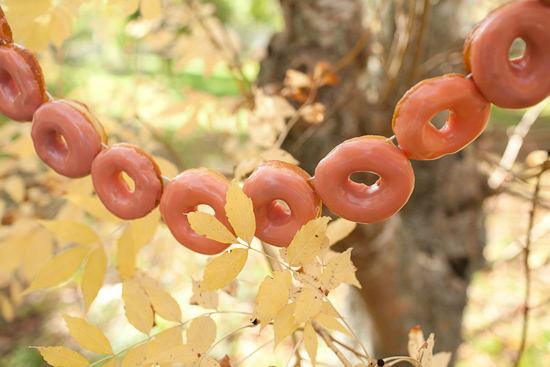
(414, 267)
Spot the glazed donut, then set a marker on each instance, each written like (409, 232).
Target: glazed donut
(358, 202)
(67, 137)
(5, 30)
(114, 193)
(22, 88)
(183, 195)
(275, 180)
(517, 83)
(469, 112)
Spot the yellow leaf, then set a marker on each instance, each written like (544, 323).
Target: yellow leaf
(136, 357)
(308, 305)
(339, 270)
(272, 295)
(329, 310)
(7, 308)
(36, 250)
(80, 187)
(206, 299)
(167, 168)
(209, 226)
(307, 242)
(180, 354)
(14, 186)
(339, 229)
(284, 323)
(71, 231)
(60, 27)
(59, 268)
(441, 359)
(164, 304)
(330, 322)
(130, 7)
(110, 363)
(22, 147)
(207, 361)
(143, 229)
(93, 206)
(310, 342)
(223, 269)
(87, 335)
(62, 357)
(427, 353)
(126, 253)
(415, 343)
(240, 212)
(150, 8)
(33, 35)
(16, 292)
(163, 341)
(92, 277)
(10, 254)
(201, 333)
(137, 305)
(28, 9)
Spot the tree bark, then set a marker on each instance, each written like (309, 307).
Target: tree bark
(416, 266)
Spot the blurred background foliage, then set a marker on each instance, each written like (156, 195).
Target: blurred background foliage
(179, 82)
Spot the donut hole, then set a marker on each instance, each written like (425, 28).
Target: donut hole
(56, 145)
(278, 212)
(517, 50)
(440, 119)
(364, 178)
(8, 86)
(130, 183)
(206, 209)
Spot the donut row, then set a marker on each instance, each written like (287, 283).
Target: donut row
(70, 140)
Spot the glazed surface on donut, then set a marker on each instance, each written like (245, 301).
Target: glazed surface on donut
(358, 202)
(22, 88)
(65, 139)
(114, 191)
(517, 83)
(183, 195)
(469, 113)
(275, 180)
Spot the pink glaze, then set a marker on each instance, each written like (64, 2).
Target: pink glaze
(517, 83)
(22, 88)
(358, 202)
(274, 181)
(183, 195)
(113, 190)
(65, 138)
(469, 112)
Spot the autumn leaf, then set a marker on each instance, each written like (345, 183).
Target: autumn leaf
(14, 186)
(62, 357)
(223, 269)
(284, 323)
(87, 335)
(209, 226)
(201, 333)
(179, 354)
(308, 305)
(60, 27)
(330, 322)
(307, 242)
(416, 342)
(136, 357)
(310, 342)
(71, 231)
(240, 213)
(427, 353)
(6, 308)
(37, 249)
(163, 303)
(339, 270)
(92, 277)
(93, 206)
(59, 268)
(163, 341)
(150, 8)
(126, 253)
(143, 229)
(137, 305)
(207, 361)
(206, 299)
(339, 229)
(272, 296)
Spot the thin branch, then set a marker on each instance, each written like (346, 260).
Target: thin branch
(254, 352)
(328, 340)
(424, 10)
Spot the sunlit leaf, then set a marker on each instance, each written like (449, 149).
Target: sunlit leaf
(272, 296)
(16, 292)
(62, 357)
(60, 27)
(223, 269)
(284, 323)
(180, 354)
(92, 277)
(87, 335)
(201, 333)
(207, 361)
(129, 7)
(240, 213)
(36, 250)
(110, 363)
(126, 254)
(209, 226)
(150, 8)
(427, 352)
(14, 186)
(59, 268)
(10, 254)
(339, 270)
(167, 168)
(143, 229)
(308, 305)
(137, 305)
(206, 299)
(93, 206)
(6, 308)
(310, 342)
(415, 343)
(163, 341)
(136, 357)
(164, 304)
(330, 323)
(339, 229)
(22, 147)
(71, 231)
(306, 244)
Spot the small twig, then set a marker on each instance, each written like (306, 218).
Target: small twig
(526, 251)
(328, 340)
(295, 351)
(357, 353)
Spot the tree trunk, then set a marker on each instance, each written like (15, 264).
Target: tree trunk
(414, 267)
